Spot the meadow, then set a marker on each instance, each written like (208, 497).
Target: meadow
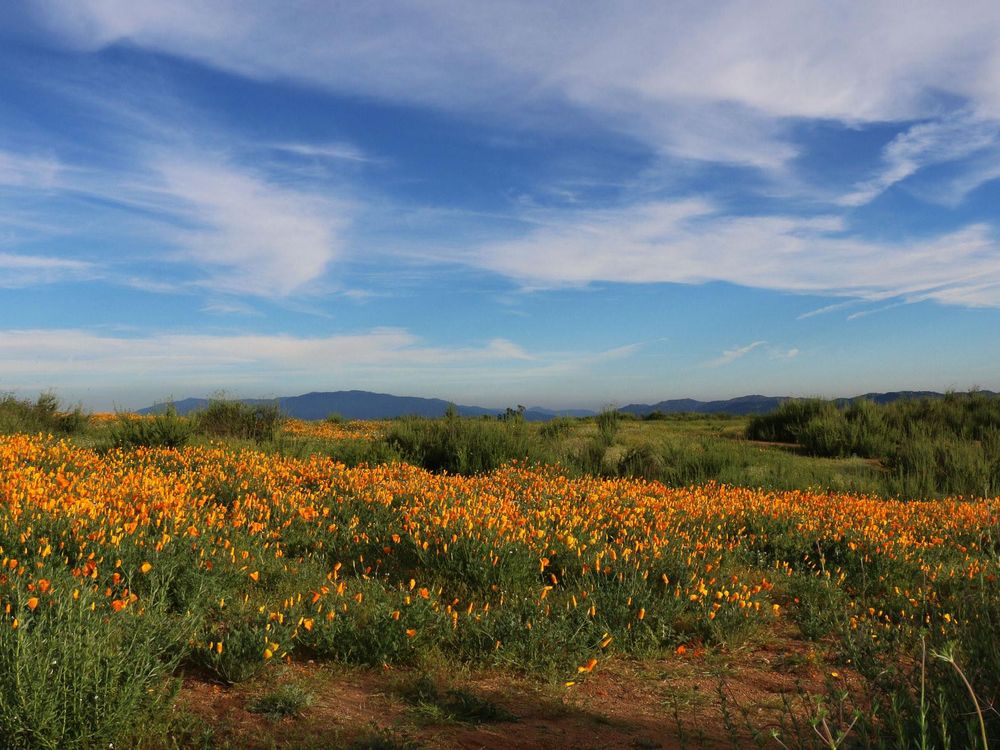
(236, 579)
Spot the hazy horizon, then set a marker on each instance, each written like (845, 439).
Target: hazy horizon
(112, 403)
(561, 204)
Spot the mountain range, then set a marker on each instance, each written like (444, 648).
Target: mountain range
(368, 405)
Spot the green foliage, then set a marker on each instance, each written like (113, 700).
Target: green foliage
(357, 451)
(642, 462)
(464, 446)
(383, 739)
(930, 447)
(784, 424)
(436, 705)
(234, 419)
(163, 430)
(72, 678)
(44, 415)
(608, 423)
(284, 702)
(557, 429)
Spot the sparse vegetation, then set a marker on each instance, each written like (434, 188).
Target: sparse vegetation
(284, 702)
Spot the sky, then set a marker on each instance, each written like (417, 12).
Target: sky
(566, 204)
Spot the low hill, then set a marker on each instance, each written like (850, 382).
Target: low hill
(369, 405)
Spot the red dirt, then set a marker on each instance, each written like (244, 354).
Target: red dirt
(670, 703)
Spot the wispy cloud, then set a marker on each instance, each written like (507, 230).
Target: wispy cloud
(336, 151)
(784, 354)
(731, 355)
(243, 231)
(73, 356)
(642, 72)
(693, 242)
(27, 270)
(950, 139)
(875, 310)
(254, 237)
(251, 363)
(826, 309)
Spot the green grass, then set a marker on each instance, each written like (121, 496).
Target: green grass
(284, 702)
(431, 704)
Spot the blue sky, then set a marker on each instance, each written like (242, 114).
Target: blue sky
(564, 204)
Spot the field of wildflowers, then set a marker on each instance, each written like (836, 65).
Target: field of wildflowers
(122, 568)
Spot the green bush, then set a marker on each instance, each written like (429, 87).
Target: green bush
(356, 451)
(557, 429)
(73, 678)
(235, 419)
(45, 414)
(608, 423)
(164, 430)
(464, 446)
(784, 424)
(641, 461)
(930, 446)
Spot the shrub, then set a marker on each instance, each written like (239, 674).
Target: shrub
(463, 446)
(235, 419)
(75, 678)
(164, 430)
(784, 424)
(608, 422)
(357, 451)
(43, 415)
(641, 461)
(557, 428)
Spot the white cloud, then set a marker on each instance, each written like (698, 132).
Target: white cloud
(73, 356)
(149, 366)
(731, 355)
(689, 242)
(25, 170)
(253, 236)
(784, 354)
(24, 270)
(947, 140)
(716, 82)
(335, 151)
(243, 231)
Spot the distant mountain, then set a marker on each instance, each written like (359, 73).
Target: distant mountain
(763, 404)
(368, 405)
(365, 405)
(742, 405)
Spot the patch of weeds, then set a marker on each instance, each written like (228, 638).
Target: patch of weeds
(285, 701)
(190, 732)
(434, 706)
(685, 696)
(798, 663)
(383, 739)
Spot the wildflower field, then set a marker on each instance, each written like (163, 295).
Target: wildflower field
(124, 571)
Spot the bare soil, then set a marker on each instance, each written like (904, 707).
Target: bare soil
(698, 699)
